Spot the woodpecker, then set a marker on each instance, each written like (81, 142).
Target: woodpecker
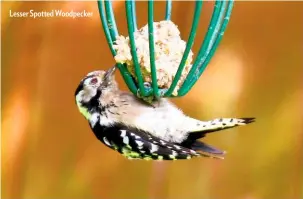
(128, 125)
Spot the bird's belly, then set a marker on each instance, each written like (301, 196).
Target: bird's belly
(165, 124)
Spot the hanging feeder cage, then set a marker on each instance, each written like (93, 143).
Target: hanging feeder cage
(218, 23)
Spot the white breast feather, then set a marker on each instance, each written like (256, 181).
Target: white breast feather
(163, 122)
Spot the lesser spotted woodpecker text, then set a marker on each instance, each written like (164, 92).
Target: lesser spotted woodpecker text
(52, 13)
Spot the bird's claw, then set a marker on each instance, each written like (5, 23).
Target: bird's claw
(148, 99)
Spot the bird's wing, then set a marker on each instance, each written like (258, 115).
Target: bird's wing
(136, 144)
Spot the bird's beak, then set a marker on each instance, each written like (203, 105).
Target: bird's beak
(109, 73)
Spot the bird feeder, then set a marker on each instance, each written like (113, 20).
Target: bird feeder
(217, 25)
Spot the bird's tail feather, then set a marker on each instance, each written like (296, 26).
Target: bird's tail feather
(207, 150)
(193, 143)
(218, 125)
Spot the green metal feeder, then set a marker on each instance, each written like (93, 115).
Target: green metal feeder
(219, 20)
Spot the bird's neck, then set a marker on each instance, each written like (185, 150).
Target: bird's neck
(84, 111)
(108, 97)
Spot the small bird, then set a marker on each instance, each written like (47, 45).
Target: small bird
(138, 131)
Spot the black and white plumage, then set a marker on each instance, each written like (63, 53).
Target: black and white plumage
(140, 131)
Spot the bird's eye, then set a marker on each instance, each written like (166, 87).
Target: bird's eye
(93, 81)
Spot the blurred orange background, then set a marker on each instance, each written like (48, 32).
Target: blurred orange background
(49, 151)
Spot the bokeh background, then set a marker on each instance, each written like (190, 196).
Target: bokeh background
(49, 151)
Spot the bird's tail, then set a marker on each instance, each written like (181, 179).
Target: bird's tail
(212, 126)
(202, 128)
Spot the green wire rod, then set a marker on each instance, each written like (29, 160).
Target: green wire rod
(216, 28)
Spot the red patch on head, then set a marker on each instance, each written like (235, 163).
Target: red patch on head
(93, 81)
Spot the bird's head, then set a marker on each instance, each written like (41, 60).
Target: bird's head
(91, 87)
